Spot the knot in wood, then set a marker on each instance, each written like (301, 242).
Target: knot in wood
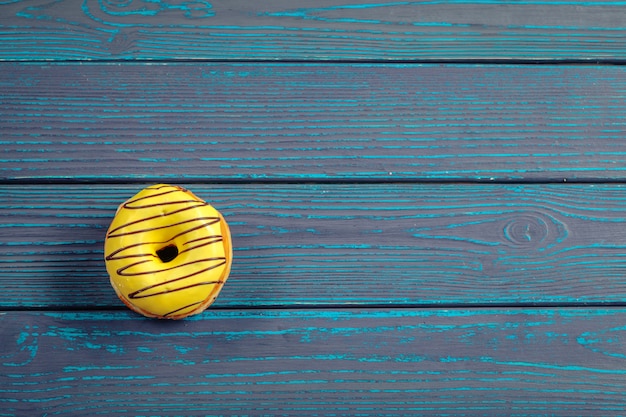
(526, 231)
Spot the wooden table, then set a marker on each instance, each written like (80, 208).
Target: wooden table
(426, 198)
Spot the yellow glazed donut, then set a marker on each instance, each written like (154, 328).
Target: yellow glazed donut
(168, 252)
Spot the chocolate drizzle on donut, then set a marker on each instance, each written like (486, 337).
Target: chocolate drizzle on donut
(177, 282)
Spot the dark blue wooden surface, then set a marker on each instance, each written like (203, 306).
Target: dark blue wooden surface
(312, 122)
(342, 244)
(316, 362)
(426, 200)
(448, 30)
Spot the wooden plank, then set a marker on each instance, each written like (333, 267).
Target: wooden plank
(559, 362)
(299, 30)
(385, 244)
(214, 122)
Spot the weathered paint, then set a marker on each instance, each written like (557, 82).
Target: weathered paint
(367, 362)
(361, 280)
(334, 244)
(297, 30)
(316, 122)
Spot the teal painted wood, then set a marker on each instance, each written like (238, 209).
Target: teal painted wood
(299, 30)
(557, 362)
(358, 245)
(320, 260)
(212, 122)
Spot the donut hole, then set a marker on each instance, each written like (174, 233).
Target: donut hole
(168, 253)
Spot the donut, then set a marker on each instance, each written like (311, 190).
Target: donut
(168, 253)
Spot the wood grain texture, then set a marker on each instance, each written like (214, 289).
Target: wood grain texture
(362, 284)
(299, 30)
(557, 362)
(388, 244)
(311, 122)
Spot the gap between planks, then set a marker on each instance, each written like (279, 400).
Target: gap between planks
(343, 307)
(313, 181)
(419, 61)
